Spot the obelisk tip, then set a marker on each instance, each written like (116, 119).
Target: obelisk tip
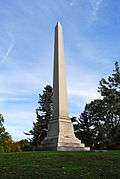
(58, 24)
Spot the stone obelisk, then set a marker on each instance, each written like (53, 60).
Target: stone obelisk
(60, 131)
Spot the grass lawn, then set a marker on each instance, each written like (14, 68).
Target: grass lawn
(69, 165)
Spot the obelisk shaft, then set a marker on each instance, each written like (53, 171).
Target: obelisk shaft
(60, 107)
(60, 134)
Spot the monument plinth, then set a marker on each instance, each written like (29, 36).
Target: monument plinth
(60, 131)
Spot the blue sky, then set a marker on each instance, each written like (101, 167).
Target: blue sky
(92, 44)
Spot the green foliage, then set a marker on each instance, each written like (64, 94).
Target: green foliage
(2, 129)
(84, 128)
(110, 90)
(5, 138)
(19, 146)
(99, 124)
(45, 103)
(44, 114)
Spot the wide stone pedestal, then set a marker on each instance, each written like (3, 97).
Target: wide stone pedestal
(61, 137)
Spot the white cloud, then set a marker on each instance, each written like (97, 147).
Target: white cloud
(17, 122)
(19, 96)
(95, 4)
(83, 83)
(92, 52)
(5, 56)
(22, 82)
(90, 94)
(5, 52)
(24, 116)
(82, 88)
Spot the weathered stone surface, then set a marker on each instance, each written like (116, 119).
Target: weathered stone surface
(60, 132)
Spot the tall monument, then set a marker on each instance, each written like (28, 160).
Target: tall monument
(60, 131)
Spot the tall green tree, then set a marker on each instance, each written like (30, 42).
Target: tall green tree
(110, 90)
(45, 103)
(44, 114)
(100, 121)
(4, 137)
(84, 128)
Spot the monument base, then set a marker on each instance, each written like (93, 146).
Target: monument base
(61, 137)
(49, 144)
(70, 148)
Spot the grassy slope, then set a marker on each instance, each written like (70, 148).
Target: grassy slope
(39, 165)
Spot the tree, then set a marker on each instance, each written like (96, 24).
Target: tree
(84, 128)
(110, 90)
(99, 124)
(19, 146)
(44, 114)
(5, 138)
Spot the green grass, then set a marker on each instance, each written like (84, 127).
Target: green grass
(41, 165)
